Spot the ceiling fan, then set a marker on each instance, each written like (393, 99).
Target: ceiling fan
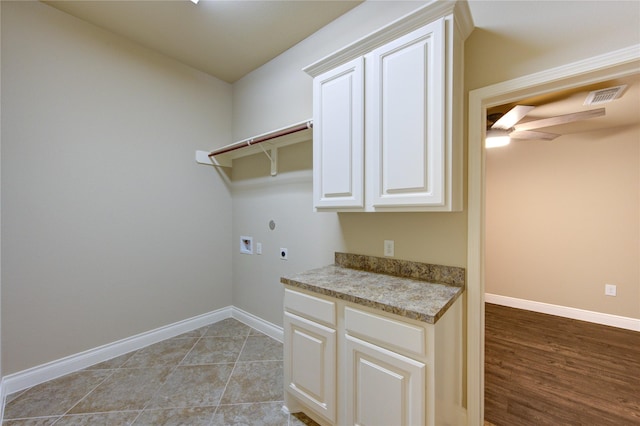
(504, 127)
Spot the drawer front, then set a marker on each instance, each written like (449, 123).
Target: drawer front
(310, 307)
(386, 332)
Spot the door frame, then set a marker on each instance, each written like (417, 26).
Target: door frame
(608, 66)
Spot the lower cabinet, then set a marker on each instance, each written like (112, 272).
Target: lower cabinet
(310, 364)
(345, 364)
(383, 387)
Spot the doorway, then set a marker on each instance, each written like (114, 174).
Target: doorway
(605, 67)
(562, 219)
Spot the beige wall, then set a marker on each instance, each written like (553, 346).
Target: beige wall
(109, 227)
(310, 238)
(278, 94)
(563, 219)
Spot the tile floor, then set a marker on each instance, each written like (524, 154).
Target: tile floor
(224, 374)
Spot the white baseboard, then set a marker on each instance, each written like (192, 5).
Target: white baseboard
(564, 311)
(33, 376)
(271, 330)
(3, 396)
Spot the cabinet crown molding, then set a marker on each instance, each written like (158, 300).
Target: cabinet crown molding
(430, 12)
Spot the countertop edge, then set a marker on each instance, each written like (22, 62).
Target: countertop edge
(430, 319)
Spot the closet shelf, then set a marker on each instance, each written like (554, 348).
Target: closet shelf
(266, 142)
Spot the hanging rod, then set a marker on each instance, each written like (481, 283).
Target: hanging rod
(263, 138)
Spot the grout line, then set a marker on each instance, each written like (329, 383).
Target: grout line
(191, 350)
(170, 374)
(230, 375)
(53, 416)
(251, 403)
(113, 370)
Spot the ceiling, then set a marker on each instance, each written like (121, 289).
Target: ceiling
(224, 38)
(619, 112)
(230, 38)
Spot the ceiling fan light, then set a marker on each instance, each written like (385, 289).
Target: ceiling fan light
(496, 138)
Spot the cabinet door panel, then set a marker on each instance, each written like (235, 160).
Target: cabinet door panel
(310, 364)
(405, 119)
(385, 388)
(338, 139)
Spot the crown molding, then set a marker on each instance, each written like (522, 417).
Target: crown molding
(430, 12)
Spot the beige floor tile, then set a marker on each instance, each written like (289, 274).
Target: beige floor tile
(127, 389)
(215, 350)
(102, 419)
(166, 353)
(179, 381)
(113, 363)
(255, 382)
(56, 396)
(193, 333)
(261, 348)
(228, 327)
(198, 416)
(254, 414)
(14, 395)
(40, 421)
(193, 386)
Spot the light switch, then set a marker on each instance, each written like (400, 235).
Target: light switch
(388, 248)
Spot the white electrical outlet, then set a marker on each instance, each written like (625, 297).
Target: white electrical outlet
(610, 289)
(258, 248)
(284, 254)
(388, 248)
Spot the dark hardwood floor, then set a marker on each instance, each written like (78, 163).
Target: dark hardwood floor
(548, 370)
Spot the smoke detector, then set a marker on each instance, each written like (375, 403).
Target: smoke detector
(603, 96)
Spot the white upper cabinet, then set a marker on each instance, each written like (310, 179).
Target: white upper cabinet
(405, 120)
(338, 111)
(387, 113)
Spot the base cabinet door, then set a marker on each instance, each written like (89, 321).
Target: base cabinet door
(310, 364)
(384, 388)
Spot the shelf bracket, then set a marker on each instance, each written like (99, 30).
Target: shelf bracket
(273, 157)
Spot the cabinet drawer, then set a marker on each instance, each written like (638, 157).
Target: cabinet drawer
(310, 307)
(385, 332)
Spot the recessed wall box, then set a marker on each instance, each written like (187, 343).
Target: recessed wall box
(246, 245)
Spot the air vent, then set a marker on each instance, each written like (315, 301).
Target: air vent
(603, 96)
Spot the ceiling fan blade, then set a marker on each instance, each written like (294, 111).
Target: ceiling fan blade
(560, 119)
(528, 134)
(509, 119)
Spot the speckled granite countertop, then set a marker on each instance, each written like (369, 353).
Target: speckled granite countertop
(410, 289)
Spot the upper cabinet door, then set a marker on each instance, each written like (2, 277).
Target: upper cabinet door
(405, 120)
(338, 137)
